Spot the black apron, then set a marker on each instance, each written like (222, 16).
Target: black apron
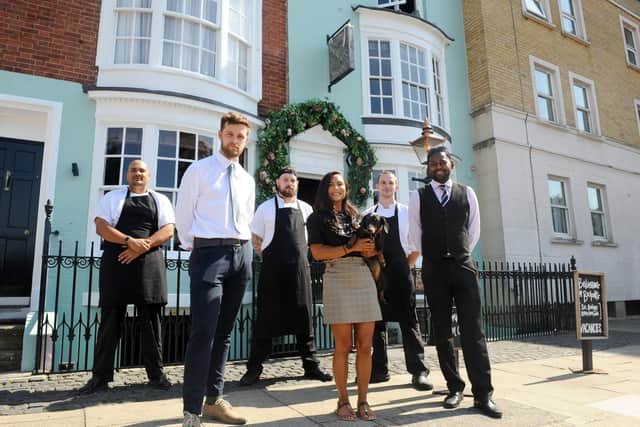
(143, 281)
(399, 290)
(284, 287)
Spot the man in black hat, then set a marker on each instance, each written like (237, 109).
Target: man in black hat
(284, 288)
(134, 222)
(445, 223)
(398, 299)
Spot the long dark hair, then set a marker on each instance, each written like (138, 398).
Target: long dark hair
(324, 204)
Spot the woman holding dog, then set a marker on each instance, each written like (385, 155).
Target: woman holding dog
(349, 292)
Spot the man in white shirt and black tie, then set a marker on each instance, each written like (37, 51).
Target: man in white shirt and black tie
(215, 207)
(445, 222)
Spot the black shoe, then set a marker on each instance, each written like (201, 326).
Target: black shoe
(379, 377)
(453, 400)
(251, 376)
(94, 384)
(487, 407)
(420, 382)
(161, 383)
(317, 374)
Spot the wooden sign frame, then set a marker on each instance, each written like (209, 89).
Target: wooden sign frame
(603, 298)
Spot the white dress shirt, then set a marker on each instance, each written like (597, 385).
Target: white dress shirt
(264, 220)
(415, 224)
(204, 204)
(403, 222)
(110, 206)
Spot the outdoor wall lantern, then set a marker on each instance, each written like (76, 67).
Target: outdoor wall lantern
(425, 142)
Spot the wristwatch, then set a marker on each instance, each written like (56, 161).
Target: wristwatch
(126, 242)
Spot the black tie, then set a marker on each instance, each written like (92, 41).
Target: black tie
(444, 198)
(233, 194)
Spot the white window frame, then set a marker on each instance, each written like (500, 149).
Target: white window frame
(636, 112)
(380, 77)
(577, 18)
(132, 38)
(527, 9)
(424, 86)
(556, 88)
(635, 32)
(590, 88)
(603, 212)
(567, 208)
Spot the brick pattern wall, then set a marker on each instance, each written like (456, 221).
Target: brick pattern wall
(275, 56)
(50, 38)
(500, 39)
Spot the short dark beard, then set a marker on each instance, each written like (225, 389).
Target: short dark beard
(283, 195)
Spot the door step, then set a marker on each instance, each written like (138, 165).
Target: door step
(11, 347)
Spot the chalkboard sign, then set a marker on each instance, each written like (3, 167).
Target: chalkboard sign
(591, 306)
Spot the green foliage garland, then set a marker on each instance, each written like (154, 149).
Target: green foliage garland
(293, 119)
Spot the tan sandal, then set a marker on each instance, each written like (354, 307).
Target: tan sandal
(364, 412)
(347, 414)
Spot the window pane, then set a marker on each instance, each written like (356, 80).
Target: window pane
(559, 220)
(595, 201)
(126, 161)
(175, 5)
(208, 65)
(141, 52)
(556, 193)
(569, 25)
(114, 140)
(374, 87)
(387, 105)
(165, 177)
(187, 146)
(123, 51)
(385, 50)
(211, 10)
(190, 58)
(171, 54)
(567, 6)
(597, 223)
(386, 87)
(386, 67)
(374, 67)
(543, 83)
(584, 122)
(375, 105)
(167, 143)
(209, 39)
(192, 33)
(111, 171)
(535, 6)
(172, 29)
(580, 95)
(182, 168)
(124, 26)
(192, 7)
(205, 146)
(142, 25)
(133, 141)
(545, 109)
(373, 48)
(628, 38)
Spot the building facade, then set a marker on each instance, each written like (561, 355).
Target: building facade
(555, 88)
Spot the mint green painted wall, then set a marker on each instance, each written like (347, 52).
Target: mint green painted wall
(310, 22)
(71, 197)
(76, 145)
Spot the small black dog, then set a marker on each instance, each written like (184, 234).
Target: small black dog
(374, 227)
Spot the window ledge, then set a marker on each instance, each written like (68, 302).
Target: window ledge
(634, 67)
(566, 241)
(538, 19)
(576, 39)
(604, 243)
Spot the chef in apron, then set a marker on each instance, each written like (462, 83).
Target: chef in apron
(398, 298)
(134, 222)
(284, 287)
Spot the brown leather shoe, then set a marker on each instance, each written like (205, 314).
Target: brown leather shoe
(222, 410)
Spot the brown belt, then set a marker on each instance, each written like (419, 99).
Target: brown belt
(203, 242)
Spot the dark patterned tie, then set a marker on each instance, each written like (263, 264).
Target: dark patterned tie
(233, 194)
(444, 198)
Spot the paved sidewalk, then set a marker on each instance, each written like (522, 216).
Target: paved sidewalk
(534, 383)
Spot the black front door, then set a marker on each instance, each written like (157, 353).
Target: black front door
(307, 189)
(20, 168)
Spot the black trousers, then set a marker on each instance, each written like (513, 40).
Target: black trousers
(447, 282)
(109, 335)
(411, 344)
(261, 349)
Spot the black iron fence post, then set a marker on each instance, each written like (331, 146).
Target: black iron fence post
(48, 209)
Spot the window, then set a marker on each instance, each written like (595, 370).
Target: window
(595, 195)
(380, 82)
(190, 29)
(584, 104)
(133, 32)
(539, 8)
(414, 82)
(545, 96)
(559, 206)
(238, 43)
(413, 184)
(547, 92)
(124, 145)
(437, 87)
(407, 6)
(631, 38)
(571, 17)
(176, 151)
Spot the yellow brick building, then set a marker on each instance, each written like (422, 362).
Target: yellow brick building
(555, 102)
